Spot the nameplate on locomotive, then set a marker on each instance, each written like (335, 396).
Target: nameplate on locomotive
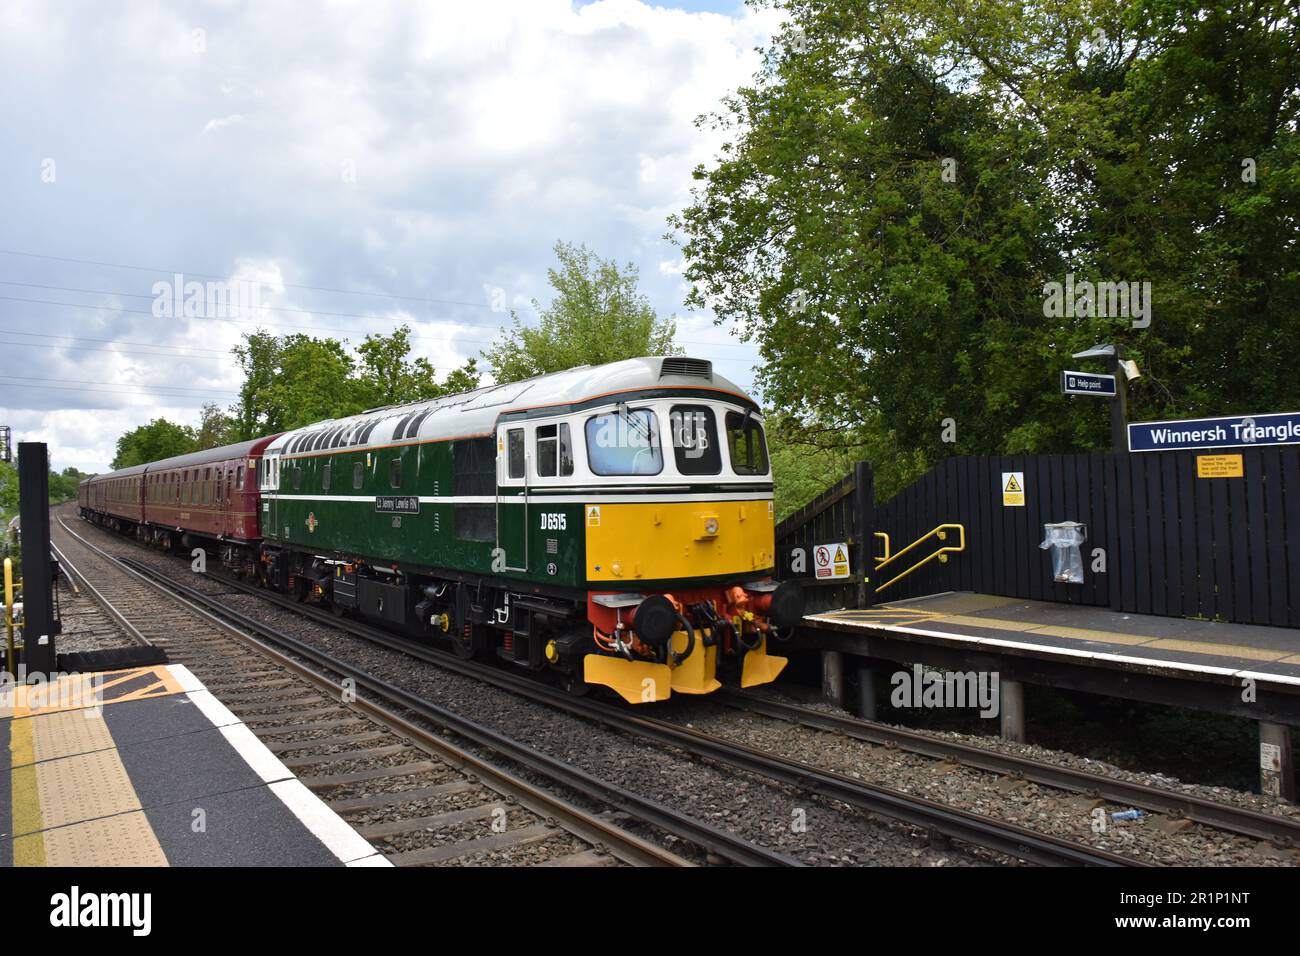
(397, 505)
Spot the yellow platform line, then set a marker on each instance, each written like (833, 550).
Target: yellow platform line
(25, 800)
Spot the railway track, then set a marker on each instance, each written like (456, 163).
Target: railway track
(345, 745)
(936, 818)
(1282, 831)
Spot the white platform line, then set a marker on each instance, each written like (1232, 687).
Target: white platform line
(1066, 651)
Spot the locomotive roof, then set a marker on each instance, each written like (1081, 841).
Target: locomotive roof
(476, 412)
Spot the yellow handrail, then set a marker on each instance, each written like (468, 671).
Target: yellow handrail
(940, 532)
(9, 617)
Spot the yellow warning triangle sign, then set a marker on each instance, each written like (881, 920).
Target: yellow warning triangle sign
(840, 555)
(593, 512)
(1013, 485)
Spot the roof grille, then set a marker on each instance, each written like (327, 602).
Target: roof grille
(699, 368)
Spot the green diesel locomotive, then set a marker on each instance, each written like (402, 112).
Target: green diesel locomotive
(613, 524)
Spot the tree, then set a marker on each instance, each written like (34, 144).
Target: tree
(216, 428)
(385, 376)
(904, 179)
(63, 485)
(596, 316)
(159, 439)
(290, 381)
(8, 493)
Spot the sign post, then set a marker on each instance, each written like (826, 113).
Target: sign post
(1112, 386)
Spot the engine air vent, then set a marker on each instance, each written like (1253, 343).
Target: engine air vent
(675, 365)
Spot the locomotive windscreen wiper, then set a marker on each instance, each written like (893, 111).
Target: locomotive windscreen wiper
(627, 416)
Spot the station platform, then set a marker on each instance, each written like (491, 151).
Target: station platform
(145, 767)
(1038, 635)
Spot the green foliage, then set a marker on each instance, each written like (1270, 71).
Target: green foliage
(159, 439)
(8, 493)
(290, 381)
(886, 296)
(596, 316)
(806, 461)
(294, 380)
(63, 485)
(216, 428)
(387, 377)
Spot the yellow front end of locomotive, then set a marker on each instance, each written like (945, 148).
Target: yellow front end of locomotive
(678, 540)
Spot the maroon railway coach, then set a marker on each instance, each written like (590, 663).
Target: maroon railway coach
(211, 494)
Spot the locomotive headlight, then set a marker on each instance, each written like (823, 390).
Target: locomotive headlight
(710, 527)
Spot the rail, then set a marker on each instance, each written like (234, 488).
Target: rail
(940, 532)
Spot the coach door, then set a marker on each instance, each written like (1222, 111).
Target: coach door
(512, 499)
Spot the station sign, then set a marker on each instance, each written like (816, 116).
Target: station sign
(1238, 431)
(1088, 383)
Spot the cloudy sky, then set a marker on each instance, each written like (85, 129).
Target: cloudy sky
(364, 163)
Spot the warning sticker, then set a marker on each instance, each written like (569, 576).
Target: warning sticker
(831, 561)
(1013, 489)
(1219, 466)
(593, 516)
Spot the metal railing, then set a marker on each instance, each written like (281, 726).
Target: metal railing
(940, 532)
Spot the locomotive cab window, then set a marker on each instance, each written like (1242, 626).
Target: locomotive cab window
(297, 477)
(395, 473)
(747, 444)
(358, 476)
(624, 443)
(695, 440)
(515, 452)
(554, 450)
(325, 476)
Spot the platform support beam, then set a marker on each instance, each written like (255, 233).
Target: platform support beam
(1012, 694)
(1276, 767)
(833, 677)
(866, 693)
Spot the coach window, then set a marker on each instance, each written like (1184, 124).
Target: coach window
(395, 473)
(325, 476)
(515, 448)
(239, 477)
(297, 477)
(358, 476)
(748, 448)
(624, 443)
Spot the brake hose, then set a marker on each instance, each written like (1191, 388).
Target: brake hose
(690, 640)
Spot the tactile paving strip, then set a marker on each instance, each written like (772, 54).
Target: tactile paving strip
(84, 787)
(123, 840)
(68, 733)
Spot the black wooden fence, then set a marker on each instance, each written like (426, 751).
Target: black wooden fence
(1170, 542)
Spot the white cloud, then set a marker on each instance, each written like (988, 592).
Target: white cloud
(432, 151)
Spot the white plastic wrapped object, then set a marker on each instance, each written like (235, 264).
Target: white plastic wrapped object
(1064, 539)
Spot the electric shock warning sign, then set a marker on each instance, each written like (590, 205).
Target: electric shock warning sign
(831, 561)
(1013, 489)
